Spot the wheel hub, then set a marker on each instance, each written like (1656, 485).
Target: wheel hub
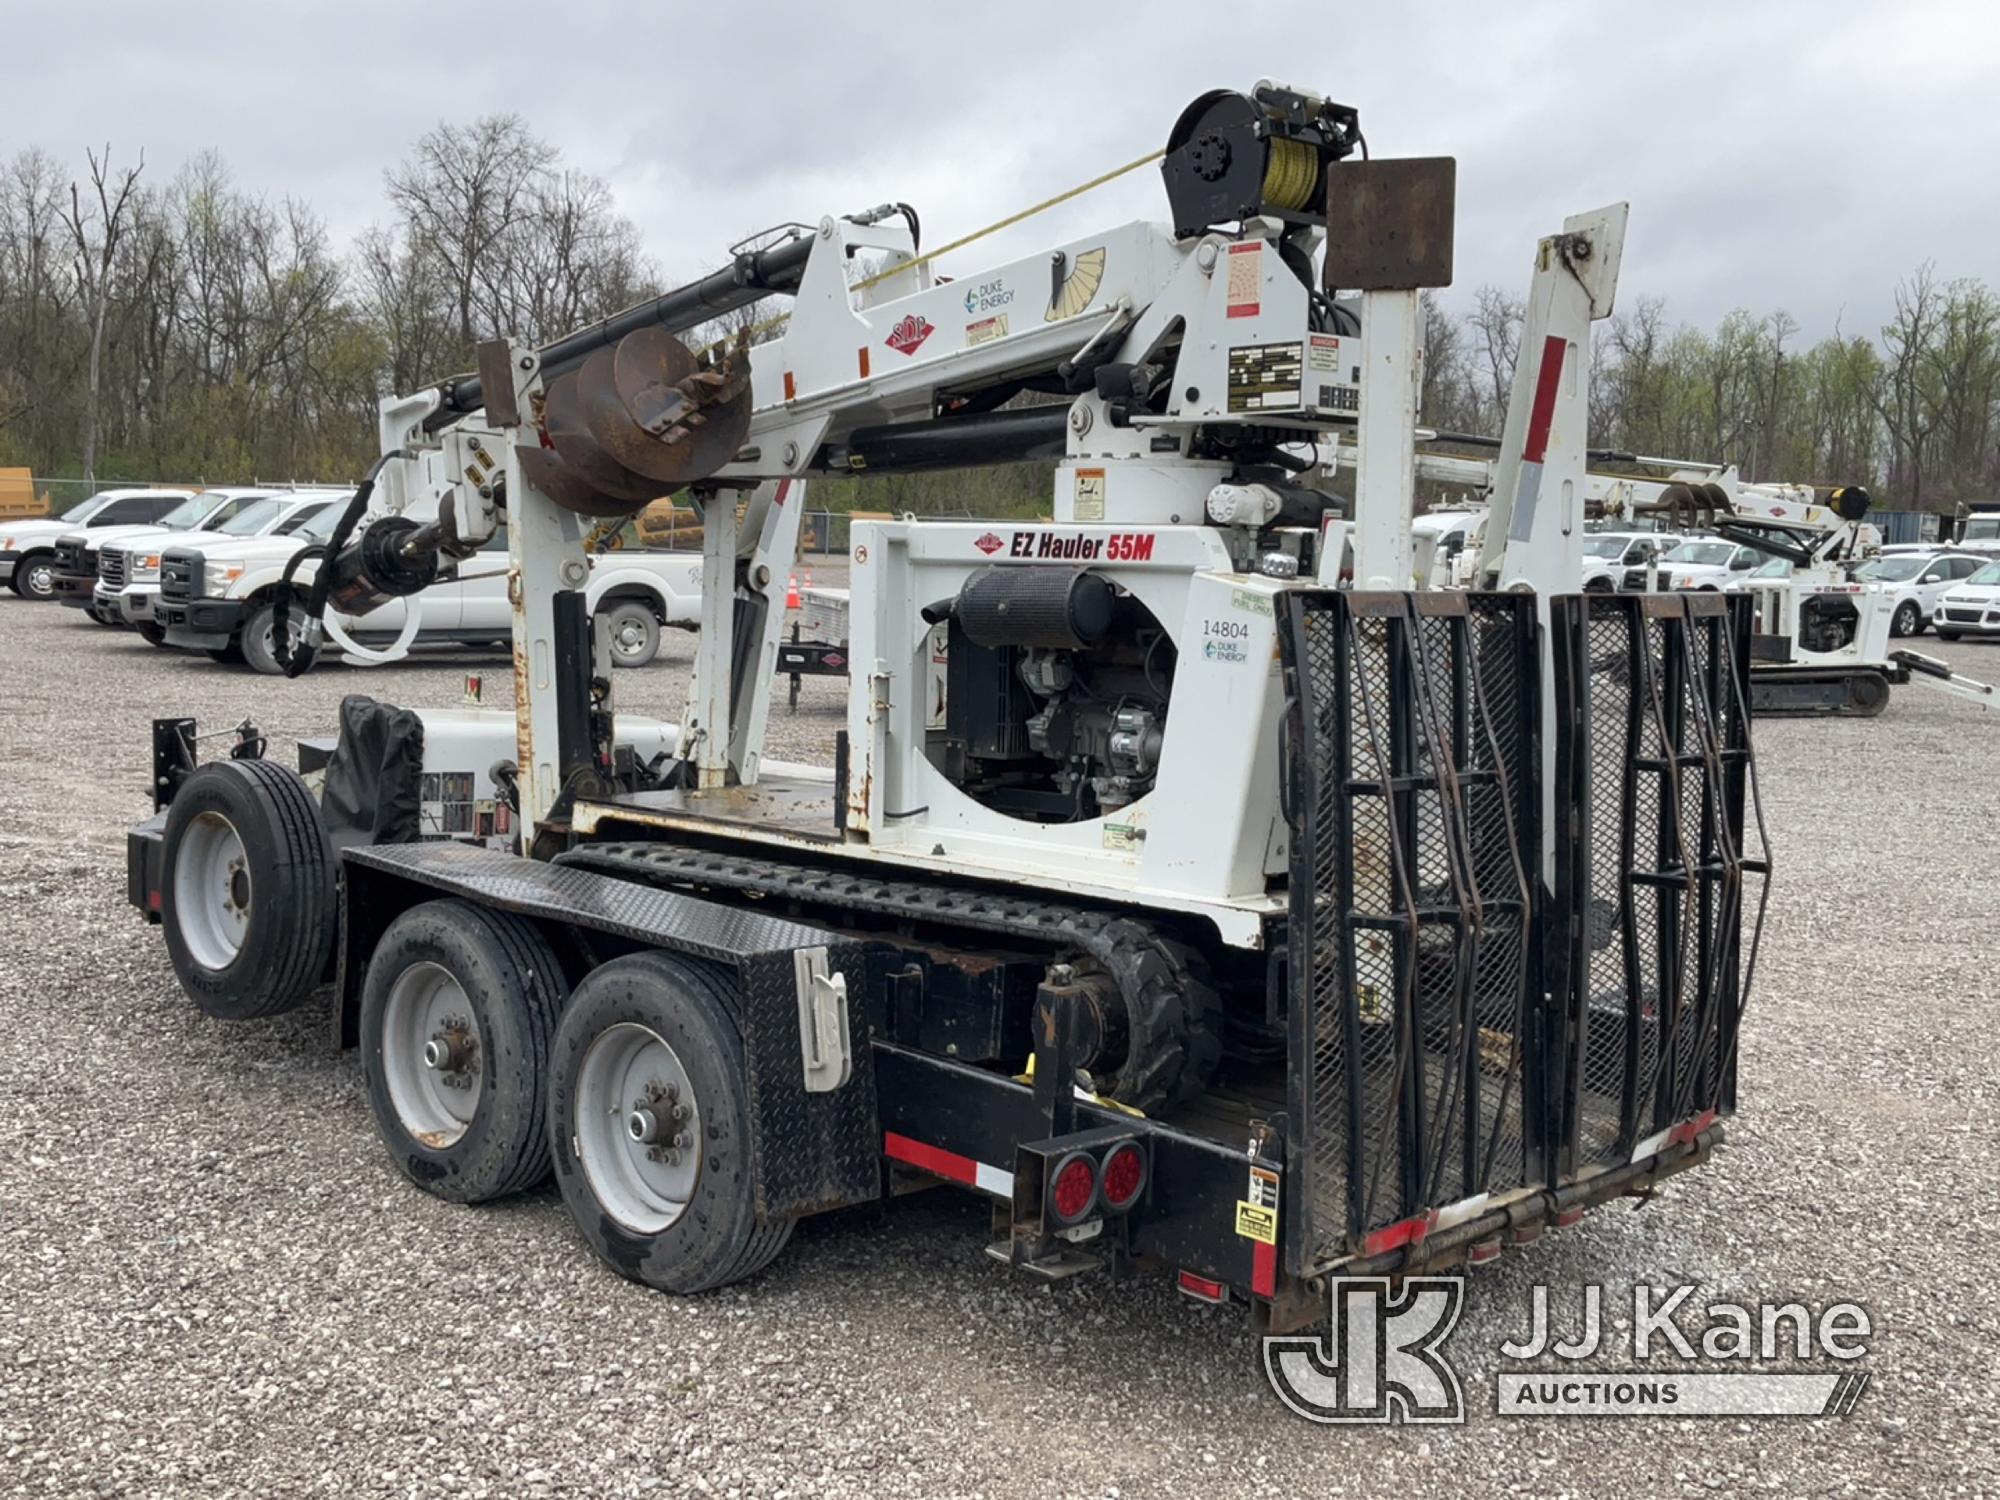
(431, 1055)
(212, 890)
(634, 1127)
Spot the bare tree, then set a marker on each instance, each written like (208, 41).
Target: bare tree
(94, 236)
(1902, 397)
(1496, 330)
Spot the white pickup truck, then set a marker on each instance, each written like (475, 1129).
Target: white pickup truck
(220, 597)
(128, 565)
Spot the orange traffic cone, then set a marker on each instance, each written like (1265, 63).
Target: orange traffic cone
(792, 591)
(809, 576)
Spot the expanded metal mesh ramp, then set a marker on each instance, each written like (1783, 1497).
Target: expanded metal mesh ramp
(1459, 1029)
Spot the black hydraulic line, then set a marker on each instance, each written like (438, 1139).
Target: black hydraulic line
(754, 274)
(1018, 435)
(291, 663)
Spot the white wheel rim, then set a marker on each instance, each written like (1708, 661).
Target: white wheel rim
(212, 891)
(39, 579)
(636, 1128)
(628, 636)
(433, 1056)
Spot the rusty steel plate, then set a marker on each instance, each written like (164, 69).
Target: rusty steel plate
(1389, 223)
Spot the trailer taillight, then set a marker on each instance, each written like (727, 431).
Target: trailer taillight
(1123, 1177)
(1073, 1188)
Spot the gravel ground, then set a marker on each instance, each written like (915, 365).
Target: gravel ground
(213, 1282)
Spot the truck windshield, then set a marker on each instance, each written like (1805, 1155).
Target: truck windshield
(1983, 529)
(190, 512)
(320, 527)
(1892, 569)
(1709, 554)
(1988, 576)
(253, 518)
(86, 510)
(1604, 546)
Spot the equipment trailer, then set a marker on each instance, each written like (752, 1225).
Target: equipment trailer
(1224, 918)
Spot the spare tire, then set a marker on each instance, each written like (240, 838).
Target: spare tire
(248, 895)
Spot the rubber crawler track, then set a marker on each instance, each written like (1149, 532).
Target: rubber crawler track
(1174, 1016)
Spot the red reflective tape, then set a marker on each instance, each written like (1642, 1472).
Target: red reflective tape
(930, 1158)
(1203, 1287)
(784, 488)
(1687, 1130)
(1394, 1236)
(1542, 414)
(1264, 1270)
(152, 900)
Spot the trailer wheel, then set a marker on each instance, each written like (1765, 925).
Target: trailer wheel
(457, 1013)
(247, 890)
(664, 1198)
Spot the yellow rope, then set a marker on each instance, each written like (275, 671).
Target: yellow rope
(959, 244)
(1009, 222)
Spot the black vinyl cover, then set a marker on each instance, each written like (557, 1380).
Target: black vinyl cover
(374, 779)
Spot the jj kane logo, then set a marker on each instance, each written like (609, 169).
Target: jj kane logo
(1379, 1361)
(1382, 1358)
(909, 334)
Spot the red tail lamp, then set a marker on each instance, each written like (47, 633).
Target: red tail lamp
(1073, 1188)
(1123, 1177)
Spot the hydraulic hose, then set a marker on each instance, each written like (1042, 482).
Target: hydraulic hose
(294, 663)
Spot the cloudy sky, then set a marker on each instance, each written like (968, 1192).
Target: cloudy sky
(1794, 153)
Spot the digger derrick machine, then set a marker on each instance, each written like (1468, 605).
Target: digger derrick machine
(1195, 909)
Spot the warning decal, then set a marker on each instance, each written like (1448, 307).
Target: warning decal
(1245, 286)
(1087, 499)
(1257, 1213)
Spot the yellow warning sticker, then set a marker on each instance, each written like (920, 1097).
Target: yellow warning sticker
(1255, 1222)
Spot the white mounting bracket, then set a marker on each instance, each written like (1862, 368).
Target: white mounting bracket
(823, 1038)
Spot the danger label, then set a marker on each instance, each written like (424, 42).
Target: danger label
(1244, 289)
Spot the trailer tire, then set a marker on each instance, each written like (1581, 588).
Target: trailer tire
(469, 1131)
(248, 891)
(644, 1031)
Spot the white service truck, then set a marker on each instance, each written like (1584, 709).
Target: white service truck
(127, 591)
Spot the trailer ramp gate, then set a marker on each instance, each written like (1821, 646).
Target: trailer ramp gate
(1660, 900)
(1457, 1035)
